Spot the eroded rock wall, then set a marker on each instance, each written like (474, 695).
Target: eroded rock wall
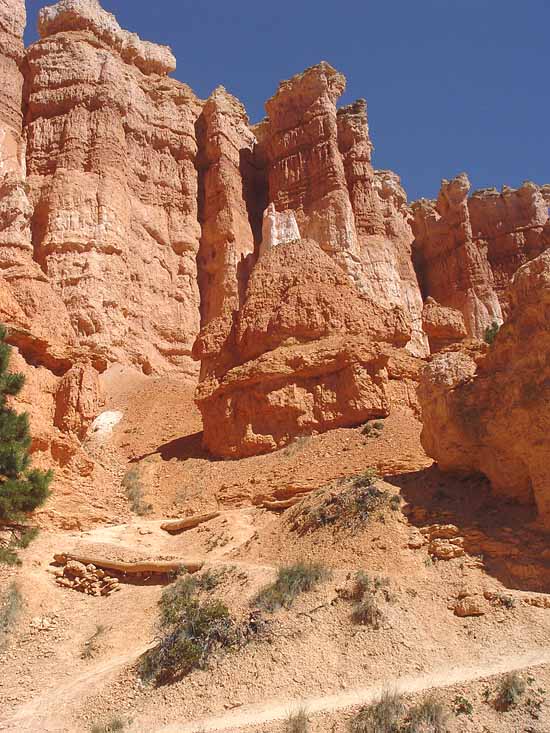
(231, 201)
(487, 409)
(381, 216)
(309, 352)
(111, 153)
(466, 249)
(321, 177)
(38, 319)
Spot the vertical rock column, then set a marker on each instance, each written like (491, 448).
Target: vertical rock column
(36, 317)
(306, 171)
(111, 163)
(381, 218)
(231, 201)
(452, 268)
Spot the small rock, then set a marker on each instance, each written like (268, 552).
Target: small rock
(470, 606)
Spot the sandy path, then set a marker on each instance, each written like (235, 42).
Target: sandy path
(276, 709)
(44, 713)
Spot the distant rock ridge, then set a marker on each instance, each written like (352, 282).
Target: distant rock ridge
(466, 249)
(134, 217)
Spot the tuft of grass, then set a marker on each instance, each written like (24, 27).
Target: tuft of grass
(296, 722)
(292, 580)
(508, 602)
(8, 556)
(93, 644)
(462, 706)
(373, 428)
(115, 725)
(29, 535)
(395, 502)
(365, 589)
(298, 444)
(383, 716)
(367, 612)
(10, 609)
(429, 716)
(511, 688)
(8, 553)
(134, 489)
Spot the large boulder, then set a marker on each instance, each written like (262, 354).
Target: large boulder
(487, 409)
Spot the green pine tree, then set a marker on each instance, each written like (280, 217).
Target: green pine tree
(21, 489)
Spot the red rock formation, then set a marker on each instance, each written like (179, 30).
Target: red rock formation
(231, 192)
(320, 175)
(305, 168)
(35, 314)
(488, 409)
(511, 225)
(78, 400)
(452, 268)
(467, 249)
(308, 353)
(381, 219)
(443, 326)
(12, 25)
(46, 346)
(111, 166)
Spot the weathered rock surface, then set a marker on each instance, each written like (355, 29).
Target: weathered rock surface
(309, 352)
(467, 249)
(381, 216)
(322, 186)
(79, 399)
(443, 326)
(37, 317)
(230, 207)
(111, 168)
(133, 214)
(488, 409)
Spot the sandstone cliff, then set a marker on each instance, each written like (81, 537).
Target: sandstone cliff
(231, 201)
(140, 226)
(488, 409)
(111, 167)
(467, 249)
(320, 174)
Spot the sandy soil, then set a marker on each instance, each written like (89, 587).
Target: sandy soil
(315, 655)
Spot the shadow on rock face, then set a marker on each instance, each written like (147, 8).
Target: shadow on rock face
(501, 534)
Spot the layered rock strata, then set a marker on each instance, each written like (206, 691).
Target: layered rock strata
(309, 352)
(61, 392)
(487, 409)
(467, 249)
(322, 185)
(111, 153)
(231, 201)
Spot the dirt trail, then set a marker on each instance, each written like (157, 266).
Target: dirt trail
(276, 709)
(43, 713)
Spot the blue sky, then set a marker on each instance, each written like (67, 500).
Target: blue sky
(451, 85)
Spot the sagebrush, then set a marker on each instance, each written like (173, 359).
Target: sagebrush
(133, 485)
(292, 580)
(10, 609)
(191, 630)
